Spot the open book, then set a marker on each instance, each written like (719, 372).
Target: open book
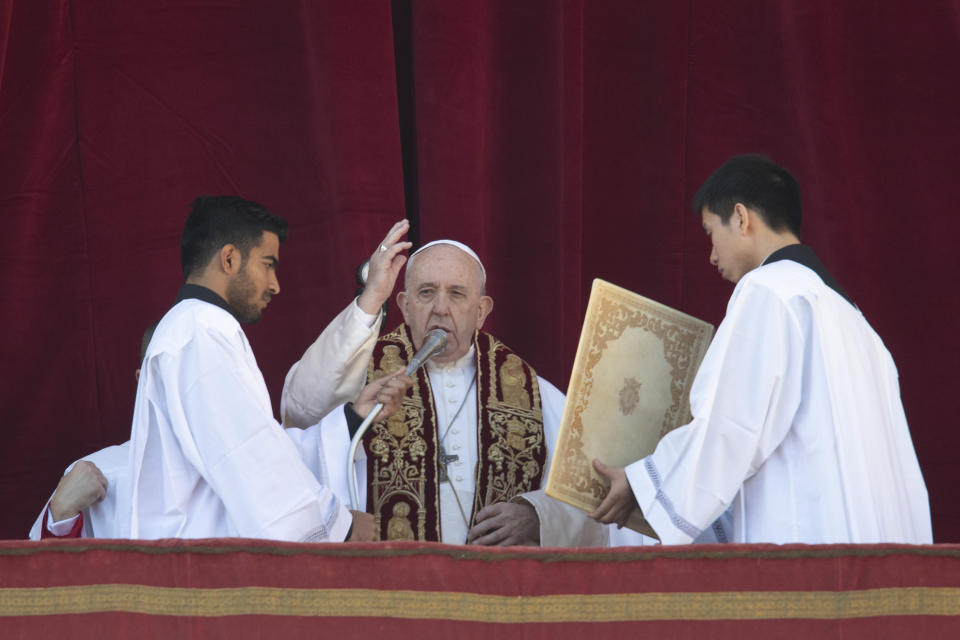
(630, 385)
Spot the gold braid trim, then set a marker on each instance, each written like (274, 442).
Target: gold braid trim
(475, 607)
(513, 453)
(402, 453)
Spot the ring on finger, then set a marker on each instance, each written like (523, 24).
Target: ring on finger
(383, 247)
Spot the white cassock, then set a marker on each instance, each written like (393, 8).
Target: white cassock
(100, 518)
(207, 457)
(798, 431)
(345, 342)
(560, 524)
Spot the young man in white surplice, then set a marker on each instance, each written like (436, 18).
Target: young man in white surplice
(798, 431)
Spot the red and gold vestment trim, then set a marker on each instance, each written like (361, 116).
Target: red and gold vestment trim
(402, 465)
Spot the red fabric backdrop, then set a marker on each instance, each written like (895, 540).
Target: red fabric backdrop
(563, 140)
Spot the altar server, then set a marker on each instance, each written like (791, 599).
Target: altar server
(207, 458)
(84, 503)
(798, 431)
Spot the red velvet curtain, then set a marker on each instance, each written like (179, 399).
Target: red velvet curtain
(563, 140)
(113, 117)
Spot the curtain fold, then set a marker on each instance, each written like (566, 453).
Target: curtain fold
(113, 118)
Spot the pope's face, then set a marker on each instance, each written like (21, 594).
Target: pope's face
(730, 251)
(443, 291)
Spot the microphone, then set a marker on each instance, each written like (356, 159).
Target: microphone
(434, 343)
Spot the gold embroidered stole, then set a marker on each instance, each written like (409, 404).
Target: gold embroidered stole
(402, 454)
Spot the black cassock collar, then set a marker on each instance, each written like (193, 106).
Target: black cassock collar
(198, 292)
(802, 254)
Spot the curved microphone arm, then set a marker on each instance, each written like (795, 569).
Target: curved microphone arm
(434, 343)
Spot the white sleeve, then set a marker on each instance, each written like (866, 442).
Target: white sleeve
(625, 537)
(332, 370)
(37, 528)
(743, 401)
(228, 433)
(561, 525)
(324, 448)
(61, 527)
(720, 532)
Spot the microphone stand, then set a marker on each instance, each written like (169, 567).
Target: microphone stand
(354, 444)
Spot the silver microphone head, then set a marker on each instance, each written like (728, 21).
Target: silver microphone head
(438, 336)
(434, 343)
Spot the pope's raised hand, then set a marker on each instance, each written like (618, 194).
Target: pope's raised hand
(385, 264)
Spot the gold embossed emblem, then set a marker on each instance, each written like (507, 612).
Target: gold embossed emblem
(516, 432)
(514, 381)
(399, 527)
(629, 396)
(390, 362)
(397, 425)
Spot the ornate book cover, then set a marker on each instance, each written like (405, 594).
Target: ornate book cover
(630, 385)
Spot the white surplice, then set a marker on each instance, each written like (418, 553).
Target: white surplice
(560, 524)
(336, 377)
(207, 457)
(100, 518)
(798, 431)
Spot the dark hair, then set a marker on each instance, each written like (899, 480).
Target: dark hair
(756, 182)
(216, 221)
